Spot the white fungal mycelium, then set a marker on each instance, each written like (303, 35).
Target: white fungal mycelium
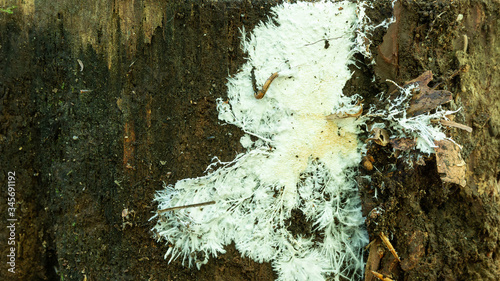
(296, 158)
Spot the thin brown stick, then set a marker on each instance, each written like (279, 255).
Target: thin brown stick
(381, 277)
(185, 206)
(456, 125)
(260, 94)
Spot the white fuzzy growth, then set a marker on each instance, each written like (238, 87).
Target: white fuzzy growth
(301, 160)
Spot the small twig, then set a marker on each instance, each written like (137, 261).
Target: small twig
(260, 94)
(381, 277)
(389, 245)
(255, 135)
(454, 124)
(185, 206)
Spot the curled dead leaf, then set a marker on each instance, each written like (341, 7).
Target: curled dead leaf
(424, 98)
(381, 136)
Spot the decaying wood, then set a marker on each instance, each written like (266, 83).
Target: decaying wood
(375, 254)
(416, 249)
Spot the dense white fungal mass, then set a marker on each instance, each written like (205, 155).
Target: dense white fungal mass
(296, 159)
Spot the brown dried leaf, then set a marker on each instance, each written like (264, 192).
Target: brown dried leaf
(424, 98)
(381, 136)
(450, 164)
(416, 250)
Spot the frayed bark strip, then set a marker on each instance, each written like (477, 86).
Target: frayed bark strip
(456, 125)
